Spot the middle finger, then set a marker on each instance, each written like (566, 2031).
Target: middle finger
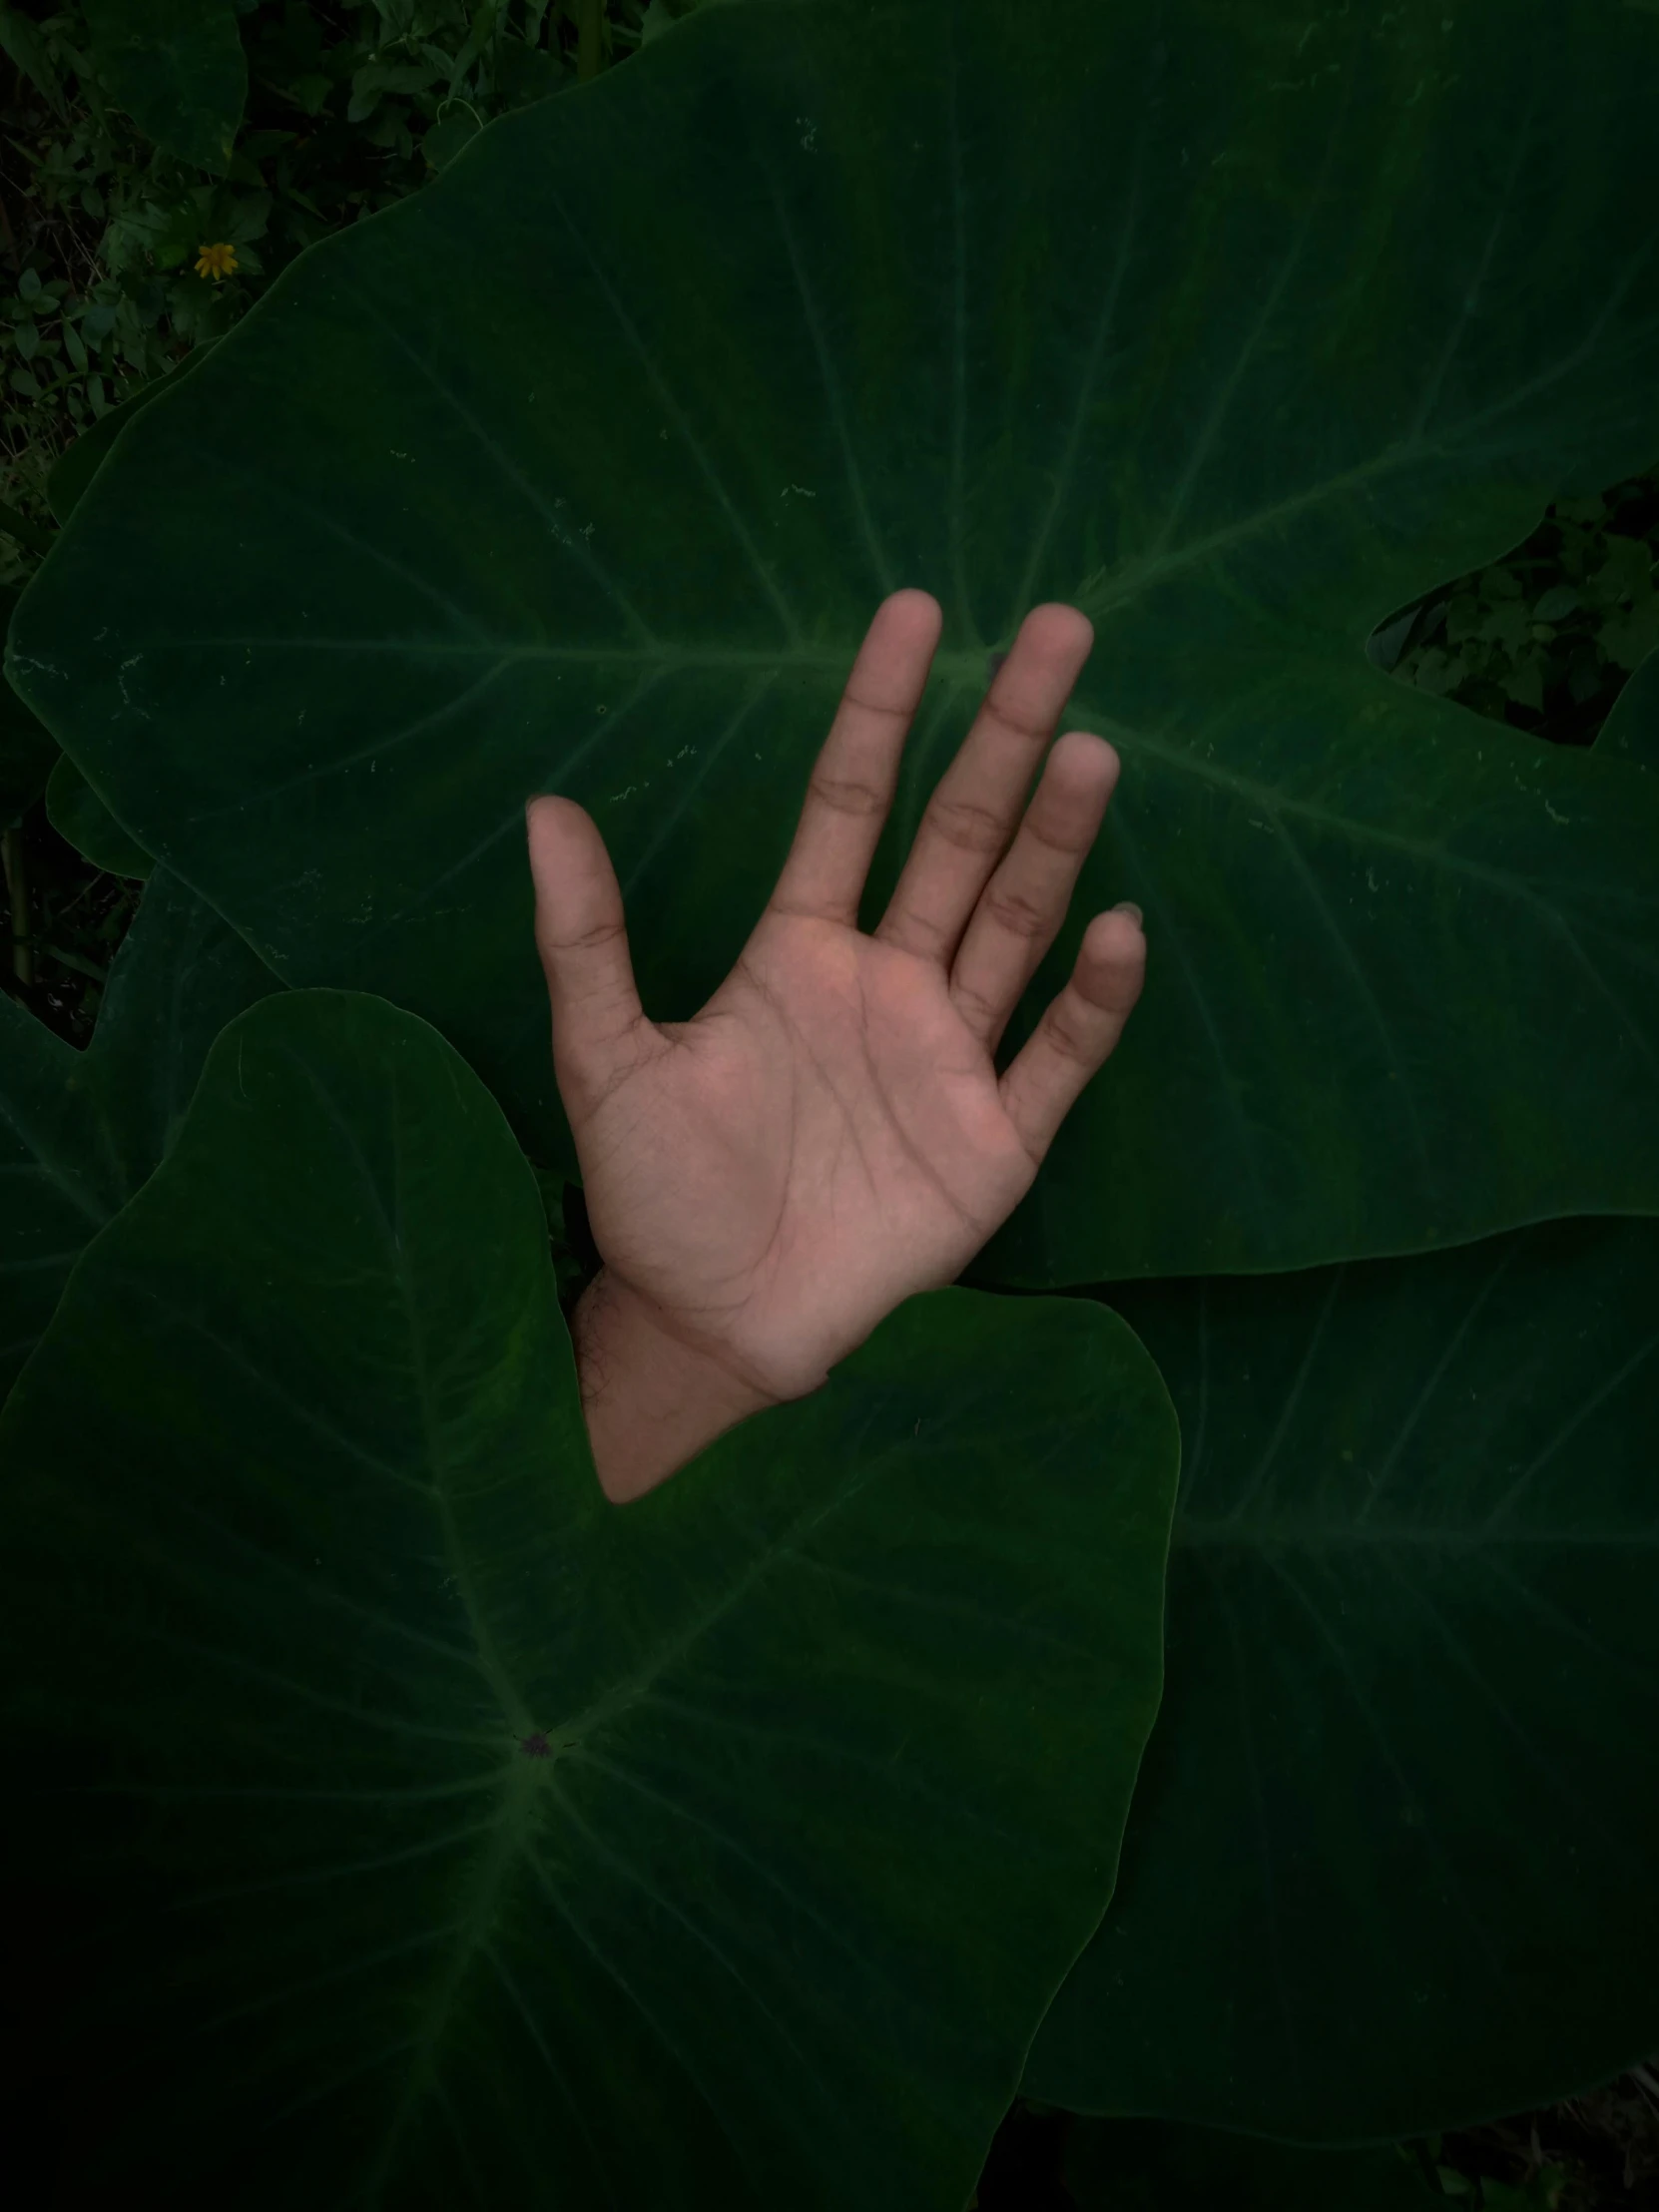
(976, 806)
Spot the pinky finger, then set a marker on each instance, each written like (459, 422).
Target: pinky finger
(1078, 1033)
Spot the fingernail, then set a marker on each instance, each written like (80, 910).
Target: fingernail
(1128, 906)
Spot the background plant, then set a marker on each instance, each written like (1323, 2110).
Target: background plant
(348, 109)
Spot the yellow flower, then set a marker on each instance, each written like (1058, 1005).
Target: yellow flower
(217, 262)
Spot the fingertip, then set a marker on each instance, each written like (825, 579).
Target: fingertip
(924, 610)
(1098, 758)
(542, 812)
(1117, 934)
(551, 850)
(1115, 946)
(1061, 616)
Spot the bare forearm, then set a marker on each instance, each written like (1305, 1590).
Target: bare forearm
(650, 1402)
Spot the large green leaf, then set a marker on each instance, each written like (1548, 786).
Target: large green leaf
(585, 469)
(1391, 1865)
(415, 1828)
(81, 1131)
(178, 68)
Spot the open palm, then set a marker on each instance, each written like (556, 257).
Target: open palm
(830, 1134)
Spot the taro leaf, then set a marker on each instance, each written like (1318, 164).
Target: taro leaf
(75, 467)
(1391, 1865)
(177, 67)
(81, 817)
(27, 748)
(1147, 2166)
(81, 1131)
(415, 1828)
(585, 468)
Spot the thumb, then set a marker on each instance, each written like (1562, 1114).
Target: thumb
(583, 941)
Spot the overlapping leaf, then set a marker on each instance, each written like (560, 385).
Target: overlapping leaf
(586, 468)
(409, 1826)
(81, 1131)
(1391, 1864)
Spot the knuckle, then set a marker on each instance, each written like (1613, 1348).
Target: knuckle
(1064, 839)
(968, 825)
(848, 795)
(1030, 731)
(1012, 910)
(912, 929)
(1067, 1035)
(891, 712)
(594, 939)
(975, 1008)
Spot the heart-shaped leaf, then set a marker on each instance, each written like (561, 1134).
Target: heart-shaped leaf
(585, 469)
(1391, 1867)
(81, 1131)
(413, 1826)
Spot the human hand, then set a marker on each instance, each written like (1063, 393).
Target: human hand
(765, 1182)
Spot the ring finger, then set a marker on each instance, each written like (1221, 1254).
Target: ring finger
(1023, 906)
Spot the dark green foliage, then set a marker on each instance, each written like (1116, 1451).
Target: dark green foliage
(80, 1131)
(177, 67)
(77, 813)
(1296, 352)
(720, 1851)
(505, 546)
(117, 177)
(1388, 1828)
(27, 748)
(1139, 2166)
(1562, 625)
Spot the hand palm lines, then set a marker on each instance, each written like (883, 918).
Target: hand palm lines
(831, 1133)
(892, 1127)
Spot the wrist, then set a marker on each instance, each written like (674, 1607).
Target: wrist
(651, 1401)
